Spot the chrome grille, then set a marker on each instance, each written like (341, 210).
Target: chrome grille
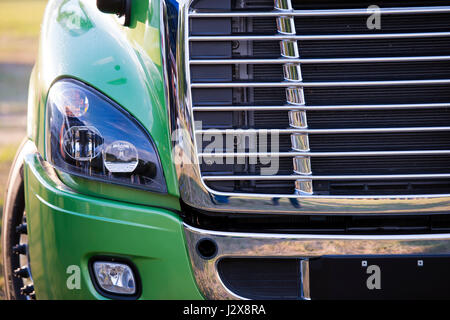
(330, 98)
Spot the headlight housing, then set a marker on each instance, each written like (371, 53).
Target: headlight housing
(89, 135)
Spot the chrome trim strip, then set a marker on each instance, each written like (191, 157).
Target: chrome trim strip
(203, 85)
(320, 131)
(319, 61)
(165, 54)
(322, 108)
(324, 154)
(301, 246)
(286, 25)
(302, 166)
(304, 187)
(321, 37)
(300, 142)
(292, 72)
(283, 5)
(307, 176)
(317, 252)
(289, 49)
(317, 12)
(334, 205)
(298, 119)
(295, 96)
(305, 293)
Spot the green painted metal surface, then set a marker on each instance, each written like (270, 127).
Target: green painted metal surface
(67, 228)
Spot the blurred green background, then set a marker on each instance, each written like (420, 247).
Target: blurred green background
(19, 33)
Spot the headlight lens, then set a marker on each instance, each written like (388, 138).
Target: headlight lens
(91, 136)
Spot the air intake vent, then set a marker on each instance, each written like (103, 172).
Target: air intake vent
(355, 110)
(261, 278)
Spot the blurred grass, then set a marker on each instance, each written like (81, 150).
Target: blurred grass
(19, 29)
(19, 38)
(21, 17)
(7, 154)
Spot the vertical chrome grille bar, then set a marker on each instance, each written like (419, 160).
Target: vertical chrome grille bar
(295, 96)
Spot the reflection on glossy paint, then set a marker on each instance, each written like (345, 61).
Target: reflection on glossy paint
(103, 61)
(118, 82)
(73, 18)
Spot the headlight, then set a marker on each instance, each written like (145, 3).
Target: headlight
(91, 136)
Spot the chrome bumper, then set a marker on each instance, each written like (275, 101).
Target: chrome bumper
(299, 246)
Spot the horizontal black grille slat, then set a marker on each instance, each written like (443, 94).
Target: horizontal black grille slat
(370, 188)
(358, 48)
(243, 120)
(377, 95)
(219, 73)
(270, 119)
(212, 96)
(220, 167)
(358, 24)
(379, 118)
(409, 141)
(332, 95)
(389, 165)
(377, 142)
(267, 49)
(359, 95)
(209, 143)
(356, 71)
(266, 72)
(377, 71)
(380, 165)
(262, 187)
(327, 119)
(375, 48)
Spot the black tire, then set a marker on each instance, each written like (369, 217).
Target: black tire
(13, 215)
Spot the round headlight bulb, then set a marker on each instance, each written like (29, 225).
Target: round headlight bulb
(82, 143)
(121, 157)
(74, 102)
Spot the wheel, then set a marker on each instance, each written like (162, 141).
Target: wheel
(16, 262)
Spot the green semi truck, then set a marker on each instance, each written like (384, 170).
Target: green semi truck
(234, 149)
